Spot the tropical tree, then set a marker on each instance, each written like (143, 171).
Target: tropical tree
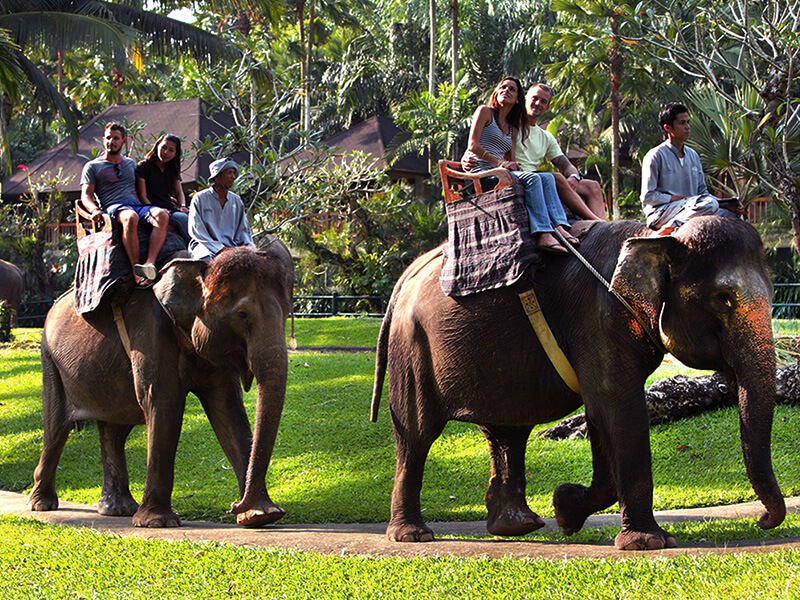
(433, 125)
(121, 30)
(588, 35)
(733, 45)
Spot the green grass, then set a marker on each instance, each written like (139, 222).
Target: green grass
(332, 465)
(42, 561)
(337, 331)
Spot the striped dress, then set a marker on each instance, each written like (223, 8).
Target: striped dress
(495, 142)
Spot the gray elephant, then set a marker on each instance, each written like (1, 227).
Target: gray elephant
(12, 285)
(205, 330)
(705, 293)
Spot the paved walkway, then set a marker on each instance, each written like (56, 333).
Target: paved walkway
(359, 539)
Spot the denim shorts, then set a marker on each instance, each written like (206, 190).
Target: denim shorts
(145, 211)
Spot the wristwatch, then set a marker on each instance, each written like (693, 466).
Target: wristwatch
(576, 176)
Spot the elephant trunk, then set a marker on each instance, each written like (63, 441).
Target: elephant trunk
(271, 378)
(754, 366)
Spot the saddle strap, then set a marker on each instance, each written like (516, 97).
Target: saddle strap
(531, 306)
(123, 332)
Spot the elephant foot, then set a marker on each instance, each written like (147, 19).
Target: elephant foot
(656, 539)
(148, 517)
(260, 515)
(40, 501)
(117, 506)
(409, 532)
(512, 519)
(570, 505)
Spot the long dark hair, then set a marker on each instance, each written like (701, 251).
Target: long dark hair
(518, 116)
(173, 167)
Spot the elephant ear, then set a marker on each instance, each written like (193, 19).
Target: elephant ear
(180, 289)
(643, 272)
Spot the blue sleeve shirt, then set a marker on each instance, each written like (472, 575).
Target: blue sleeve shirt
(664, 175)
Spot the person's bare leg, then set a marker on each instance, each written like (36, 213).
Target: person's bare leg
(130, 236)
(572, 200)
(159, 220)
(592, 194)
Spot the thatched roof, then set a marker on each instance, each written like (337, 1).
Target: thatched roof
(185, 118)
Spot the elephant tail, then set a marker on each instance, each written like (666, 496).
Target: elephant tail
(382, 349)
(381, 356)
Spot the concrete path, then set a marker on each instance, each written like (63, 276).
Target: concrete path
(359, 539)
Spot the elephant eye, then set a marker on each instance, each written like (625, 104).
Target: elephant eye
(724, 300)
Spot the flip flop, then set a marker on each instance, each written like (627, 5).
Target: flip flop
(572, 240)
(147, 270)
(143, 283)
(553, 248)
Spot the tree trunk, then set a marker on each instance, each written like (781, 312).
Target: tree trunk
(680, 397)
(454, 42)
(615, 59)
(309, 49)
(432, 56)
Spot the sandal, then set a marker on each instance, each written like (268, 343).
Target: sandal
(143, 283)
(572, 240)
(147, 270)
(554, 248)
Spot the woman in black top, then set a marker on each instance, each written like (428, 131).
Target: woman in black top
(158, 181)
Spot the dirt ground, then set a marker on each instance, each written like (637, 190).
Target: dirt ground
(360, 539)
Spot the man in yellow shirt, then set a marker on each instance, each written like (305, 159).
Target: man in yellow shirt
(583, 197)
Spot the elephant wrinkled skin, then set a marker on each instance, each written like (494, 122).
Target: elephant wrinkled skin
(477, 359)
(209, 331)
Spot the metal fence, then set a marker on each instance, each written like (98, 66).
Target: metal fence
(785, 305)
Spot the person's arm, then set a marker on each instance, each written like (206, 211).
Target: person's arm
(208, 246)
(243, 235)
(650, 195)
(510, 161)
(87, 199)
(177, 194)
(141, 190)
(481, 118)
(568, 170)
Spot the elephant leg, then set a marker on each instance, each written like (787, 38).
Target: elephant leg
(116, 498)
(55, 431)
(413, 444)
(573, 503)
(224, 407)
(509, 513)
(163, 407)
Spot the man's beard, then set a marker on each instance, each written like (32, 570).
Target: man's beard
(110, 152)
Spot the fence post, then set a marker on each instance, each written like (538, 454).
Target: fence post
(335, 304)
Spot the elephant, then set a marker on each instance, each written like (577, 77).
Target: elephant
(12, 284)
(702, 294)
(205, 329)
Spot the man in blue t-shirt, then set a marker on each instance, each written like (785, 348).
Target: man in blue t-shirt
(111, 178)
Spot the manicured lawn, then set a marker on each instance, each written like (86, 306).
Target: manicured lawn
(332, 465)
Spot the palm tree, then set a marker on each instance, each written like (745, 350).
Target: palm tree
(589, 34)
(103, 26)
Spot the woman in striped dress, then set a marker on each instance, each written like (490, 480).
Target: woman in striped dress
(494, 132)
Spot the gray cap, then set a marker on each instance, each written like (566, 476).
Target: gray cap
(220, 165)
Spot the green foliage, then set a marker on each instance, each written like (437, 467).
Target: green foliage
(725, 137)
(6, 315)
(377, 230)
(24, 229)
(433, 124)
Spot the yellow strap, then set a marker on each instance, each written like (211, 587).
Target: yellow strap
(542, 329)
(123, 332)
